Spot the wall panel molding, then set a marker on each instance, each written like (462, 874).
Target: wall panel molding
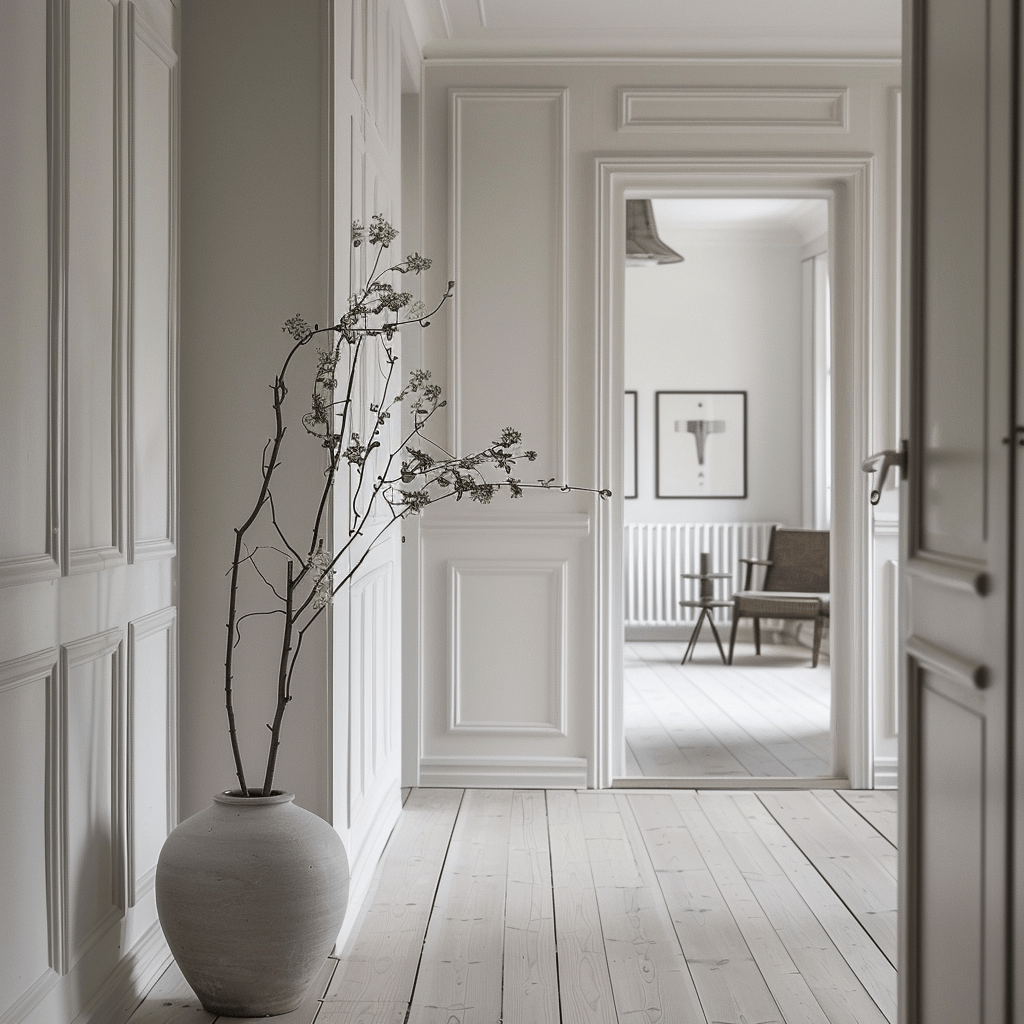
(86, 320)
(41, 669)
(74, 655)
(141, 876)
(538, 248)
(570, 522)
(733, 108)
(551, 672)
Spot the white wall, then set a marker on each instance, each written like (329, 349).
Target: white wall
(726, 319)
(291, 131)
(88, 473)
(514, 158)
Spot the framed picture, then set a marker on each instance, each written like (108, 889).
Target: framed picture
(701, 444)
(630, 487)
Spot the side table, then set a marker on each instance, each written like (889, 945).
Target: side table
(706, 603)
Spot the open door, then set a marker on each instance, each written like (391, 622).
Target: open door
(957, 585)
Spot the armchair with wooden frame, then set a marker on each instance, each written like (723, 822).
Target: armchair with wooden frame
(796, 585)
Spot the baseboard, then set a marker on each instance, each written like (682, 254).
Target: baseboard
(503, 772)
(739, 784)
(887, 773)
(128, 983)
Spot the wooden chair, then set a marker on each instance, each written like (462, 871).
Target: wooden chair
(796, 585)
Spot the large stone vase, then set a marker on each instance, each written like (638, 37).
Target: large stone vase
(251, 894)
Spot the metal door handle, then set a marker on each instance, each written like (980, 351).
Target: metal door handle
(882, 461)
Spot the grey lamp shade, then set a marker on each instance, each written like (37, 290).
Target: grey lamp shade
(643, 246)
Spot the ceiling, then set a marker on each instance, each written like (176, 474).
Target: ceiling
(804, 219)
(657, 28)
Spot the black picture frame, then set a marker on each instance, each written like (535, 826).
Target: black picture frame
(700, 444)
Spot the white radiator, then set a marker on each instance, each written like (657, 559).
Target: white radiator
(655, 556)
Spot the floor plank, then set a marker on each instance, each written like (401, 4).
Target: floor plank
(380, 963)
(725, 973)
(171, 1001)
(583, 978)
(650, 978)
(530, 971)
(764, 716)
(459, 977)
(878, 806)
(854, 873)
(875, 972)
(614, 907)
(833, 981)
(785, 982)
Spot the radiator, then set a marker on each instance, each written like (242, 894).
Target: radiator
(655, 556)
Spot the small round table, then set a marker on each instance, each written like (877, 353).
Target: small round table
(705, 603)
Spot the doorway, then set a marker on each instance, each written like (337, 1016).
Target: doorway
(841, 184)
(730, 345)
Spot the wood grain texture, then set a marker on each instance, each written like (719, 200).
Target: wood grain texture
(380, 963)
(767, 716)
(563, 907)
(584, 982)
(725, 973)
(530, 971)
(875, 971)
(833, 982)
(879, 807)
(650, 977)
(459, 976)
(855, 874)
(171, 1001)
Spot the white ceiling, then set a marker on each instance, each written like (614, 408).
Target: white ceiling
(803, 218)
(666, 28)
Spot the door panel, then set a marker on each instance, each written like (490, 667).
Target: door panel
(956, 548)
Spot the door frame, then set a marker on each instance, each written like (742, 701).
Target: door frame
(846, 183)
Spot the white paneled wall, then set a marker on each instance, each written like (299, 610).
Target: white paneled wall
(519, 159)
(87, 538)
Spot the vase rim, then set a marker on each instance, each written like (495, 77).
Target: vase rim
(234, 797)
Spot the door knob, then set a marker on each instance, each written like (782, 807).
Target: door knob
(881, 461)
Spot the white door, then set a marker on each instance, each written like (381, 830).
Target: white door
(957, 585)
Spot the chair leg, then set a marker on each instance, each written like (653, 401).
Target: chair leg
(757, 636)
(718, 639)
(818, 622)
(732, 634)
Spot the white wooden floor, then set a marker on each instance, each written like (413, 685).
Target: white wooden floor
(564, 907)
(764, 715)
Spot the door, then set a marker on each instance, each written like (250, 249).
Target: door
(957, 585)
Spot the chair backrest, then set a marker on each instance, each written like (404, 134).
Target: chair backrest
(799, 561)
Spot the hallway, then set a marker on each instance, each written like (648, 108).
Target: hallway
(559, 906)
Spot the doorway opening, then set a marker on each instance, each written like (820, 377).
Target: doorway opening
(836, 187)
(727, 361)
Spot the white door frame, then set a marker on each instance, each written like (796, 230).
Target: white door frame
(846, 182)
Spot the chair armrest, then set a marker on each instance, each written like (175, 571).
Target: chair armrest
(750, 563)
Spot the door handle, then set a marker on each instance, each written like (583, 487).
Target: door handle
(881, 461)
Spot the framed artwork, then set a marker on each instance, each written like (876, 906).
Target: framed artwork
(630, 487)
(701, 444)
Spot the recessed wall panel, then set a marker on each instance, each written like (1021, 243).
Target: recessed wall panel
(150, 682)
(507, 227)
(151, 337)
(507, 671)
(92, 370)
(91, 832)
(24, 750)
(25, 373)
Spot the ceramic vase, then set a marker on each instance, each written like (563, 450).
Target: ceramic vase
(251, 894)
